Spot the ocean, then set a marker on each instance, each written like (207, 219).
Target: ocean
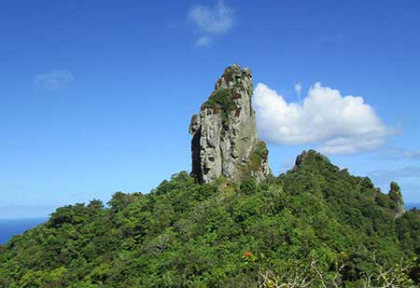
(410, 206)
(11, 227)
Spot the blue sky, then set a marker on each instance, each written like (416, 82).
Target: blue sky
(96, 96)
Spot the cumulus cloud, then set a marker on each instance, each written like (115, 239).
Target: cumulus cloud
(211, 21)
(338, 124)
(54, 80)
(298, 88)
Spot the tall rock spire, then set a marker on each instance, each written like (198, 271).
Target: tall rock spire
(396, 196)
(225, 141)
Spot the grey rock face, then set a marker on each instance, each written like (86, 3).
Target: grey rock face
(225, 141)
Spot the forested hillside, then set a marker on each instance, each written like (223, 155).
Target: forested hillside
(314, 226)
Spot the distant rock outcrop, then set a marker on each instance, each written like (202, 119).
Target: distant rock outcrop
(309, 154)
(225, 141)
(396, 196)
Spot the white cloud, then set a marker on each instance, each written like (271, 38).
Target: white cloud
(393, 174)
(212, 21)
(338, 124)
(412, 154)
(396, 153)
(54, 80)
(203, 41)
(408, 154)
(298, 88)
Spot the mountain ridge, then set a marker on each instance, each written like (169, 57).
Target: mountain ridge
(313, 226)
(185, 234)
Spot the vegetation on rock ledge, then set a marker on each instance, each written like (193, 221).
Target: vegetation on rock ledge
(220, 101)
(258, 156)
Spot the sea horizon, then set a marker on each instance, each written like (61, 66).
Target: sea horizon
(17, 226)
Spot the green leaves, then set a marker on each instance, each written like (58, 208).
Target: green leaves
(315, 223)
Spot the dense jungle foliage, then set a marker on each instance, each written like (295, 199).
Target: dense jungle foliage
(315, 226)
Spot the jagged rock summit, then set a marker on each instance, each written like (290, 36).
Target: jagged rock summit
(225, 141)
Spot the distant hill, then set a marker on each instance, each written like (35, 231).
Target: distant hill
(412, 205)
(315, 224)
(230, 223)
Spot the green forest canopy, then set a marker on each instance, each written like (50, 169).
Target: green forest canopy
(314, 225)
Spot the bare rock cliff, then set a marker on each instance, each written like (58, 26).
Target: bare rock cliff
(225, 141)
